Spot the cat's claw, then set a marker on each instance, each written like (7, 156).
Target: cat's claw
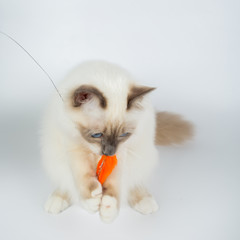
(56, 204)
(108, 209)
(147, 205)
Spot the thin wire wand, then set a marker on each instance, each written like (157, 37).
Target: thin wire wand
(34, 61)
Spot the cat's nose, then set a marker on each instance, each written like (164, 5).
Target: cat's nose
(109, 150)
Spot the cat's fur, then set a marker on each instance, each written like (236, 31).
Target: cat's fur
(100, 97)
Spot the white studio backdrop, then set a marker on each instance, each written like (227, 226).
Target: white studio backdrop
(189, 50)
(191, 44)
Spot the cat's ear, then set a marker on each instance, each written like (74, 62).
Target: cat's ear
(136, 94)
(86, 93)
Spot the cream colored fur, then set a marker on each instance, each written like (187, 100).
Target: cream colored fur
(71, 161)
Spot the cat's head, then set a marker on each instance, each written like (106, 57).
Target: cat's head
(106, 111)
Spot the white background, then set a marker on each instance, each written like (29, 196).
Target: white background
(188, 49)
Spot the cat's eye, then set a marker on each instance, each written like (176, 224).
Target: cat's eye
(125, 134)
(96, 135)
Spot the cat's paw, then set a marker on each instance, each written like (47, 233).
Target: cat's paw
(147, 205)
(56, 204)
(108, 209)
(92, 204)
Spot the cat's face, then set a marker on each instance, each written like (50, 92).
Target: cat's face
(107, 137)
(104, 123)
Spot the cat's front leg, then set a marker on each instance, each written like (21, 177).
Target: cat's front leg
(109, 207)
(91, 194)
(141, 200)
(57, 202)
(84, 173)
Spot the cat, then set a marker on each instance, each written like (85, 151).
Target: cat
(104, 112)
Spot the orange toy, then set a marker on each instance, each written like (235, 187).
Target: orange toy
(105, 166)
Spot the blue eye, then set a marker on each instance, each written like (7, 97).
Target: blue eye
(124, 134)
(96, 135)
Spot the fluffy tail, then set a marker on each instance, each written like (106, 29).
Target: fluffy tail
(172, 129)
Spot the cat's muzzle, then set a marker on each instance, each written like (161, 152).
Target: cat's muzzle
(108, 150)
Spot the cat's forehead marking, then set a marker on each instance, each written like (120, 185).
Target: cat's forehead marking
(113, 128)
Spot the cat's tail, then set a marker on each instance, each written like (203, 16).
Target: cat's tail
(172, 129)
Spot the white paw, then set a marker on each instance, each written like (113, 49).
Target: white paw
(55, 204)
(92, 204)
(146, 206)
(108, 209)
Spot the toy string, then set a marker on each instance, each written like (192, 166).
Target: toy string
(34, 61)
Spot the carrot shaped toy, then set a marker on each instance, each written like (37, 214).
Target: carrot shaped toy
(105, 166)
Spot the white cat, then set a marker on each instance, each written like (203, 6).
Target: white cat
(104, 111)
